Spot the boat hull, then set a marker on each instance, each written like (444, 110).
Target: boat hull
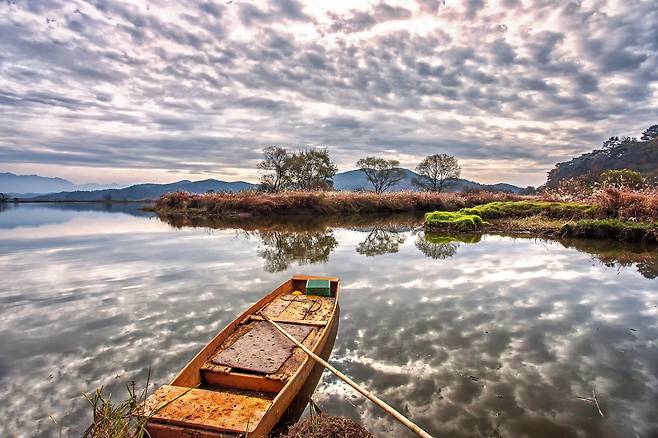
(212, 398)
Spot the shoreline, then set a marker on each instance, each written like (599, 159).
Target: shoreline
(482, 212)
(591, 230)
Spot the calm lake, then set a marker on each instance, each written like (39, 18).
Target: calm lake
(469, 336)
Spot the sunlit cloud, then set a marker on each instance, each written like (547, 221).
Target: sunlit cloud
(160, 90)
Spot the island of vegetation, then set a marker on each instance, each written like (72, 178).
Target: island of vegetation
(608, 193)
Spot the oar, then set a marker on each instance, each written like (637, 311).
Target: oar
(372, 397)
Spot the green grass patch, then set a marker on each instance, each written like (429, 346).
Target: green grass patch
(612, 229)
(453, 220)
(517, 209)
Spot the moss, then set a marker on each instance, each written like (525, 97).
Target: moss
(532, 224)
(612, 229)
(453, 220)
(517, 209)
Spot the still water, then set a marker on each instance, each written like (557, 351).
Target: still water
(469, 336)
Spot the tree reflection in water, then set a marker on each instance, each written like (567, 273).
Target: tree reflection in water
(310, 239)
(619, 254)
(380, 241)
(280, 248)
(443, 246)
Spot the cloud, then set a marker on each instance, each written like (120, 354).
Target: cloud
(253, 74)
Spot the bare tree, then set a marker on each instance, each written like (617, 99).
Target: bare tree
(275, 163)
(381, 173)
(435, 169)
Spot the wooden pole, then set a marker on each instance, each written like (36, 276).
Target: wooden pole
(369, 395)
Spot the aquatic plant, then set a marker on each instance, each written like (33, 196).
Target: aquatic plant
(453, 220)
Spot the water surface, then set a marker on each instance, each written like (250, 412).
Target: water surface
(467, 335)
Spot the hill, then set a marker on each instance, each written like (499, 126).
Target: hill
(34, 184)
(640, 156)
(145, 192)
(354, 180)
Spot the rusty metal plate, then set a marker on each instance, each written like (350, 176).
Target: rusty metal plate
(274, 308)
(262, 349)
(223, 411)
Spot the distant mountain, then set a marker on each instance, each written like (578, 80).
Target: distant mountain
(640, 156)
(351, 180)
(35, 184)
(145, 192)
(356, 180)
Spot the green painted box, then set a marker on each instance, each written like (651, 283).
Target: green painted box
(318, 287)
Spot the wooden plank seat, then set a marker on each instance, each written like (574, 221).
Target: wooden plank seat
(218, 411)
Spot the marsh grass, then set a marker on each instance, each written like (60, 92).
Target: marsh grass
(260, 204)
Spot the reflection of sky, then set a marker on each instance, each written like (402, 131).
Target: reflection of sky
(499, 337)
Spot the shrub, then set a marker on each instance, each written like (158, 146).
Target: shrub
(622, 179)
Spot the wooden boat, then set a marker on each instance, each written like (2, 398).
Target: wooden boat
(245, 378)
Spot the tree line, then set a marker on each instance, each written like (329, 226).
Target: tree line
(314, 170)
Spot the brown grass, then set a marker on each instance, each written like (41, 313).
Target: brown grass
(322, 202)
(640, 205)
(325, 426)
(623, 204)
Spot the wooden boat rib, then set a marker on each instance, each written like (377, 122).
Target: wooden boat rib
(243, 380)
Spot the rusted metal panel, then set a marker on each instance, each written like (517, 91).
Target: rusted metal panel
(275, 308)
(263, 349)
(214, 410)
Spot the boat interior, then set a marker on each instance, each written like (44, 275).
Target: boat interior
(229, 387)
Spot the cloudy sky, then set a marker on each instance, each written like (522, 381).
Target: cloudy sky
(133, 91)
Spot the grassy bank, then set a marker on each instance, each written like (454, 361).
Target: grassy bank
(261, 204)
(614, 214)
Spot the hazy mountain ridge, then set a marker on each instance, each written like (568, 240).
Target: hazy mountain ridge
(146, 192)
(346, 181)
(33, 185)
(640, 156)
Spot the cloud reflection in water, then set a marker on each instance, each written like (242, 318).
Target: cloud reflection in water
(499, 336)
